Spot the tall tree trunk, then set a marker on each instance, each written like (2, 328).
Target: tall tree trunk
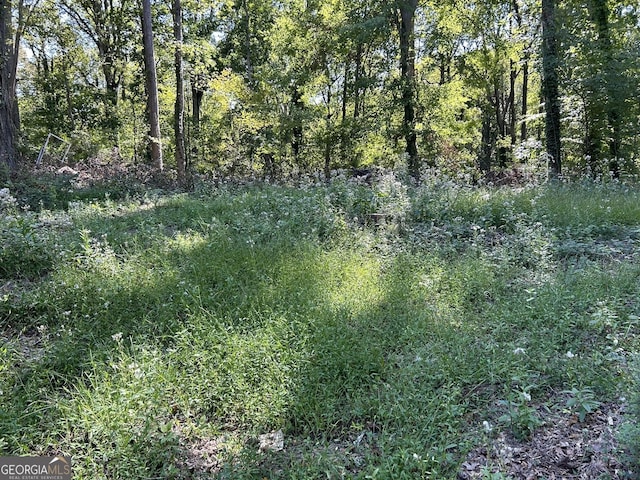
(550, 87)
(153, 109)
(327, 144)
(512, 103)
(407, 69)
(296, 140)
(9, 114)
(501, 123)
(356, 81)
(247, 42)
(486, 145)
(178, 120)
(599, 11)
(345, 89)
(525, 99)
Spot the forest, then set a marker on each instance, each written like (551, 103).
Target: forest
(272, 89)
(349, 239)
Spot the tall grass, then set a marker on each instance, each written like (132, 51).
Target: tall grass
(159, 323)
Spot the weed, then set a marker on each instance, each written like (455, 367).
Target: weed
(582, 402)
(521, 418)
(163, 320)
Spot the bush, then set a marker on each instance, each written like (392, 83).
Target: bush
(24, 243)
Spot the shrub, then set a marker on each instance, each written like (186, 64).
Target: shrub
(24, 243)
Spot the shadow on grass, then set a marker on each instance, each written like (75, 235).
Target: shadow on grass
(198, 331)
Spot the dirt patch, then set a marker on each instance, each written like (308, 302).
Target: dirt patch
(563, 449)
(29, 345)
(202, 457)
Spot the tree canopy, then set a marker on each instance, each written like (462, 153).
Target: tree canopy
(266, 88)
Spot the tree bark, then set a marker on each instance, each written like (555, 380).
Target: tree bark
(153, 109)
(178, 119)
(328, 139)
(599, 11)
(486, 149)
(9, 114)
(356, 81)
(550, 87)
(247, 42)
(512, 103)
(407, 69)
(297, 134)
(525, 99)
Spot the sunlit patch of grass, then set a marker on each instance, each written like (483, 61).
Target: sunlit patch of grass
(166, 320)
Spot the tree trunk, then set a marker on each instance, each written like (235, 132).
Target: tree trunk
(407, 69)
(153, 109)
(501, 123)
(512, 103)
(356, 81)
(296, 138)
(247, 42)
(600, 15)
(345, 89)
(178, 120)
(550, 87)
(9, 115)
(486, 145)
(327, 144)
(525, 99)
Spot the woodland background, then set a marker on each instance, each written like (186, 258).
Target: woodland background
(272, 88)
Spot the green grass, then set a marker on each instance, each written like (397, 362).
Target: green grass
(139, 330)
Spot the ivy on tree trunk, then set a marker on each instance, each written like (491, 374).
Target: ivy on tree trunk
(550, 87)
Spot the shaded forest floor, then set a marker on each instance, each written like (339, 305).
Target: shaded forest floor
(349, 330)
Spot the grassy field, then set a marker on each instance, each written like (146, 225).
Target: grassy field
(281, 332)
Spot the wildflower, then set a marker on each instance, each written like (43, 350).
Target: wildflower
(519, 351)
(117, 337)
(488, 428)
(569, 354)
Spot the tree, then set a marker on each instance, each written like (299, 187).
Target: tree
(407, 10)
(110, 25)
(550, 87)
(178, 120)
(10, 36)
(606, 67)
(153, 109)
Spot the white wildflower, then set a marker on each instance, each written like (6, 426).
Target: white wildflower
(117, 337)
(519, 351)
(569, 354)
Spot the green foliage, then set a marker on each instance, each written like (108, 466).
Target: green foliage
(582, 402)
(521, 418)
(630, 435)
(171, 324)
(26, 246)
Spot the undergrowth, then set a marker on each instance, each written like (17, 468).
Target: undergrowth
(140, 331)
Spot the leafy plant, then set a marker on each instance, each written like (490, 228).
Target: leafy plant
(582, 402)
(520, 417)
